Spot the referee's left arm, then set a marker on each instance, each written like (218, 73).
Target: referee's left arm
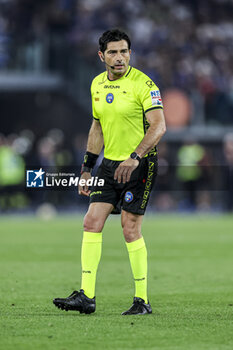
(154, 133)
(152, 137)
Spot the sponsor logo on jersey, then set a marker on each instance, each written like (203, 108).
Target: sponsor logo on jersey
(109, 98)
(128, 196)
(111, 86)
(156, 98)
(150, 83)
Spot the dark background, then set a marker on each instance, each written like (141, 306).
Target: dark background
(48, 58)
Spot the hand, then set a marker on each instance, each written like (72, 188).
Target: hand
(83, 190)
(124, 170)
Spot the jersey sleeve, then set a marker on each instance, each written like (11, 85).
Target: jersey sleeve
(94, 114)
(149, 96)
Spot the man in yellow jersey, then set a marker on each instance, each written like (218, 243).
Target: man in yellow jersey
(129, 122)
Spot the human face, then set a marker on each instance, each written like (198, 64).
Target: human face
(116, 57)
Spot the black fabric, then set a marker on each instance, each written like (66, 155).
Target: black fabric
(132, 196)
(90, 159)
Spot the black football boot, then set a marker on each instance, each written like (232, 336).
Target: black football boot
(76, 301)
(139, 307)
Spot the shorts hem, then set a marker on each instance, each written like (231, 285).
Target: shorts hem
(103, 201)
(133, 211)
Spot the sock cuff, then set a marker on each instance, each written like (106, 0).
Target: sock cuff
(92, 237)
(135, 245)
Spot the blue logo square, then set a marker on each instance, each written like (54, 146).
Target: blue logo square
(35, 178)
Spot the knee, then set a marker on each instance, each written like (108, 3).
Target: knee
(92, 223)
(130, 231)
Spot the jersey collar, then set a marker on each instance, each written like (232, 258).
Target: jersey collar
(124, 76)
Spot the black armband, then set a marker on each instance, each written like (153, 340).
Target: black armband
(90, 159)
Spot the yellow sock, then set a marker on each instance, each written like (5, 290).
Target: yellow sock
(138, 260)
(90, 257)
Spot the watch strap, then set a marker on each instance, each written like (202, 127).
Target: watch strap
(134, 155)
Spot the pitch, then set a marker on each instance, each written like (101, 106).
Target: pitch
(190, 286)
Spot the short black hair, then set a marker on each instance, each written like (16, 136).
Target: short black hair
(112, 35)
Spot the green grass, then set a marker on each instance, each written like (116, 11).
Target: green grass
(190, 286)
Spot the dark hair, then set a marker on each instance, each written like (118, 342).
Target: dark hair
(112, 35)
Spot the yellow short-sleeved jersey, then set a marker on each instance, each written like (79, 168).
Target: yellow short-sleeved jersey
(120, 107)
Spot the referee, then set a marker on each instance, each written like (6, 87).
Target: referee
(129, 122)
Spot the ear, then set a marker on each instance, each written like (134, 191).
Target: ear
(101, 56)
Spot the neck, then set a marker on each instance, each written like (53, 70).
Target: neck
(115, 76)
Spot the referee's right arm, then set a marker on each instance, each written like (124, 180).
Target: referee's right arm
(95, 144)
(95, 140)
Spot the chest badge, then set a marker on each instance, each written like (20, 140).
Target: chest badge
(110, 98)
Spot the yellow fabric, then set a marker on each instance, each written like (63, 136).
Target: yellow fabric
(90, 257)
(91, 237)
(120, 106)
(138, 260)
(135, 245)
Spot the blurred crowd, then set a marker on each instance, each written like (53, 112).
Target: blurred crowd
(186, 44)
(192, 176)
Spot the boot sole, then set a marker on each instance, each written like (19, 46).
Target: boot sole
(61, 306)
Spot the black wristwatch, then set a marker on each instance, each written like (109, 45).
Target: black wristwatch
(85, 169)
(134, 155)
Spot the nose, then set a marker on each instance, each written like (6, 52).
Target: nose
(119, 57)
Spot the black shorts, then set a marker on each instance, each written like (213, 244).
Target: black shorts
(132, 196)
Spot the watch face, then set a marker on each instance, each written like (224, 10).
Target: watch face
(133, 155)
